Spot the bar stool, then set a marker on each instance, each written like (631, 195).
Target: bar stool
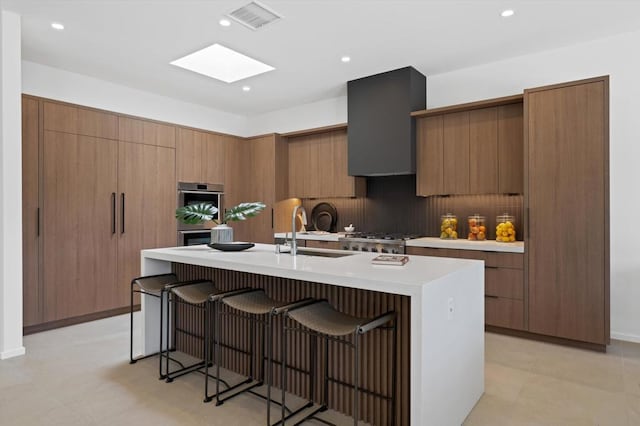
(194, 294)
(320, 319)
(260, 309)
(152, 285)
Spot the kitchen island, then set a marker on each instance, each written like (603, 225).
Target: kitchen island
(440, 304)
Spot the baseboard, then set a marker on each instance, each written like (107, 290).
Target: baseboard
(626, 337)
(76, 320)
(548, 339)
(11, 353)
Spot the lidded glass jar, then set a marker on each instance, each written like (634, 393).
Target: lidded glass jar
(448, 226)
(477, 228)
(505, 228)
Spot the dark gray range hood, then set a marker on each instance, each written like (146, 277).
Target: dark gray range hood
(381, 132)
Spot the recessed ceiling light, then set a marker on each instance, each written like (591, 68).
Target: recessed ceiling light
(225, 22)
(246, 88)
(506, 13)
(222, 63)
(345, 59)
(57, 26)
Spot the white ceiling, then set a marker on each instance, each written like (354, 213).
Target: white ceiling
(132, 42)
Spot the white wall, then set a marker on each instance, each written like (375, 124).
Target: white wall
(10, 188)
(54, 83)
(616, 56)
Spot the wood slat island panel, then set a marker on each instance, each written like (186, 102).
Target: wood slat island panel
(377, 346)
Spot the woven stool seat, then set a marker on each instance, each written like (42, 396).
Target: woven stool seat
(323, 318)
(155, 284)
(196, 293)
(254, 302)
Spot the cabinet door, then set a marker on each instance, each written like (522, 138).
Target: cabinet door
(299, 157)
(213, 155)
(80, 121)
(146, 132)
(566, 196)
(456, 153)
(430, 156)
(146, 184)
(510, 149)
(31, 292)
(189, 150)
(483, 151)
(80, 245)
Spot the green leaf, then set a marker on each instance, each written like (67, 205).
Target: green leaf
(194, 214)
(243, 211)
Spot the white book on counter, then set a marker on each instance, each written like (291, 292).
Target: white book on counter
(390, 259)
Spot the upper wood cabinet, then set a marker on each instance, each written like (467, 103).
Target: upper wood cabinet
(256, 171)
(80, 121)
(479, 151)
(200, 156)
(567, 199)
(318, 167)
(146, 132)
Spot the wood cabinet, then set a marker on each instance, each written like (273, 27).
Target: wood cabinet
(200, 156)
(256, 171)
(335, 245)
(567, 200)
(503, 283)
(100, 201)
(318, 167)
(78, 233)
(146, 132)
(146, 199)
(32, 291)
(474, 151)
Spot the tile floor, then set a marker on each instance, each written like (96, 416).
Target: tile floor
(80, 375)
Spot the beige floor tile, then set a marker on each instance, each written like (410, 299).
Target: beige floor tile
(510, 351)
(631, 376)
(504, 382)
(633, 409)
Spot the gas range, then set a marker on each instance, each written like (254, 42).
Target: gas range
(377, 242)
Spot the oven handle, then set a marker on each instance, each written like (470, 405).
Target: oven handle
(200, 192)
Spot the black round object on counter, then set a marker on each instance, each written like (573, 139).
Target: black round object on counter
(324, 217)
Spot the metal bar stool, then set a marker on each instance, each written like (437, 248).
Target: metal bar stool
(194, 294)
(320, 319)
(152, 285)
(258, 308)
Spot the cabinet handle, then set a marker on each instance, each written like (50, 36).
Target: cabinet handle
(271, 218)
(491, 296)
(113, 213)
(122, 216)
(490, 267)
(38, 222)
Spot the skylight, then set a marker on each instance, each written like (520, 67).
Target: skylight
(222, 63)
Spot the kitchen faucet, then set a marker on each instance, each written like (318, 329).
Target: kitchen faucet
(294, 243)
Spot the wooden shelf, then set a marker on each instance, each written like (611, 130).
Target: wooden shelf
(506, 100)
(315, 130)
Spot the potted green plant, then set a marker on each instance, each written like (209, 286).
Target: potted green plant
(194, 214)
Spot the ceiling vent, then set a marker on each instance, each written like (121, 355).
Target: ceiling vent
(254, 15)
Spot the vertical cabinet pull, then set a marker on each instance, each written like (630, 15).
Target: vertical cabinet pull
(272, 218)
(38, 222)
(113, 213)
(122, 217)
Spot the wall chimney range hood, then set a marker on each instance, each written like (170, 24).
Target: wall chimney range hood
(381, 132)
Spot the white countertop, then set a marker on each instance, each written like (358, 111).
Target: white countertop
(462, 244)
(354, 270)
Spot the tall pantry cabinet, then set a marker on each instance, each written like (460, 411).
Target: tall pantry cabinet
(567, 201)
(90, 203)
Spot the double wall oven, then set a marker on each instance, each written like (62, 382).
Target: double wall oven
(196, 193)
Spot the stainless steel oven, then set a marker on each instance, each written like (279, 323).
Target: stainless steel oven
(195, 193)
(194, 237)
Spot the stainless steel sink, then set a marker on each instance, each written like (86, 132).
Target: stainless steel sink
(307, 252)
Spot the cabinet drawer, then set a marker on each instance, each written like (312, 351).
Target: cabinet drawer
(501, 312)
(324, 244)
(427, 251)
(505, 260)
(504, 282)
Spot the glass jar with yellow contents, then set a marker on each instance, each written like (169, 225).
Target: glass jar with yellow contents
(505, 228)
(448, 226)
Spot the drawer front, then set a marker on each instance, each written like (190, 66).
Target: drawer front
(502, 312)
(427, 251)
(504, 282)
(505, 260)
(324, 244)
